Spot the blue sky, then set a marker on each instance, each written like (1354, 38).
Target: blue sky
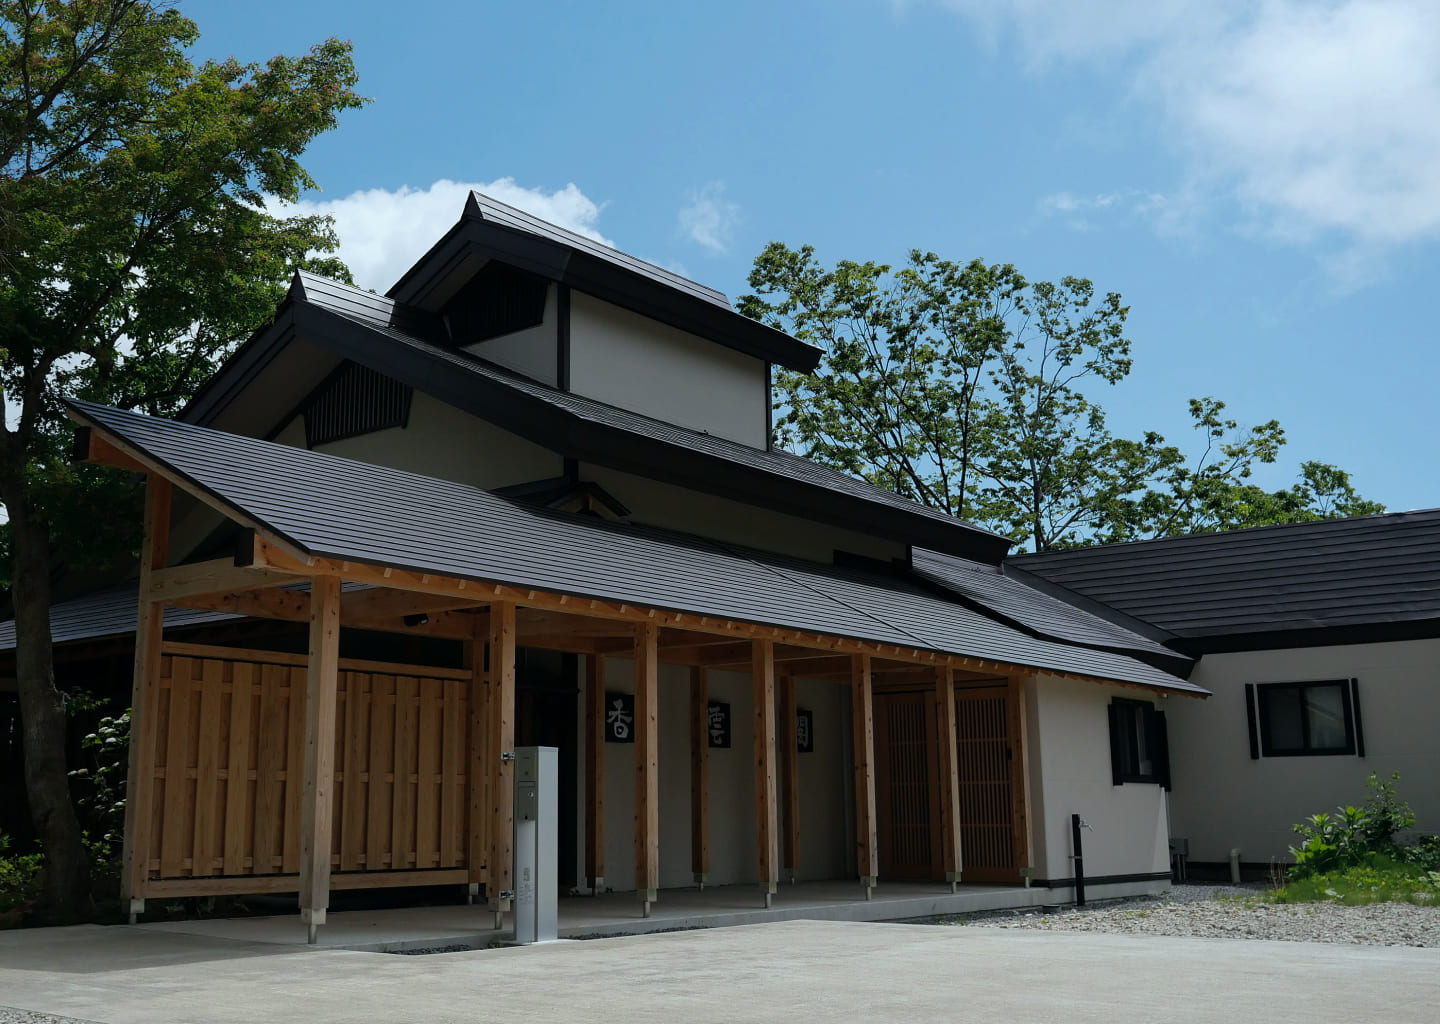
(1260, 181)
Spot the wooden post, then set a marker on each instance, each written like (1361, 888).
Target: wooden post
(595, 772)
(1020, 777)
(478, 764)
(501, 867)
(149, 632)
(767, 858)
(863, 718)
(949, 775)
(700, 775)
(790, 775)
(647, 765)
(322, 675)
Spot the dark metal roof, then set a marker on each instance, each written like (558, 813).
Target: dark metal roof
(358, 512)
(489, 229)
(1327, 575)
(593, 431)
(109, 612)
(1026, 607)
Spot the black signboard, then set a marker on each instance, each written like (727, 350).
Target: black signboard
(718, 724)
(805, 730)
(619, 717)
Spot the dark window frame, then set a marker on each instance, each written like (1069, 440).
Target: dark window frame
(1133, 722)
(1262, 743)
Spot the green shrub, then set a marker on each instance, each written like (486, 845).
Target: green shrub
(1346, 839)
(1380, 879)
(100, 792)
(19, 877)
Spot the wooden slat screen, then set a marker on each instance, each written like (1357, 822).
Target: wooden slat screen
(903, 746)
(230, 765)
(986, 798)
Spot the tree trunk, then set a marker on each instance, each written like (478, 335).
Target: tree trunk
(42, 711)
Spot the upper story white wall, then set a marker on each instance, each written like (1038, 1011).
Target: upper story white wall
(640, 364)
(441, 441)
(533, 351)
(1224, 800)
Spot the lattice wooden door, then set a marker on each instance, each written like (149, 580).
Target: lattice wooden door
(987, 821)
(907, 790)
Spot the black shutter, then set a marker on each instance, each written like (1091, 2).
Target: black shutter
(1355, 717)
(1117, 743)
(1160, 744)
(1250, 721)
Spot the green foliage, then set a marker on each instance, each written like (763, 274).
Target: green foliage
(1377, 879)
(1352, 836)
(100, 791)
(1423, 853)
(969, 388)
(19, 878)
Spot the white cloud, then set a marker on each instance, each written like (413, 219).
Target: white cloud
(382, 233)
(1322, 117)
(1165, 213)
(709, 218)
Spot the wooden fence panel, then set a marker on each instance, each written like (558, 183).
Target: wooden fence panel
(229, 771)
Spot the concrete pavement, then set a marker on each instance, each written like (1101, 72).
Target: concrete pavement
(798, 970)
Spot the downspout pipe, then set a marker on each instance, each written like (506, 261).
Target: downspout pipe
(1076, 824)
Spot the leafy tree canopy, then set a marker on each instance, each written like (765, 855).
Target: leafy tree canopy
(136, 247)
(968, 388)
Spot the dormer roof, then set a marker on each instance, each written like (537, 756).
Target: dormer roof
(491, 230)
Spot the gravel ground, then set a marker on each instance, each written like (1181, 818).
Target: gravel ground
(1200, 910)
(10, 1015)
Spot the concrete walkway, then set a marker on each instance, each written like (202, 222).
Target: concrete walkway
(804, 970)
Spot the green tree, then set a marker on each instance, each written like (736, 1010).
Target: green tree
(964, 387)
(135, 248)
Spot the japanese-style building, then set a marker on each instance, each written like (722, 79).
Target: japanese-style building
(530, 497)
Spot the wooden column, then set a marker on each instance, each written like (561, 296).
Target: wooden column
(700, 775)
(949, 774)
(500, 870)
(149, 630)
(790, 775)
(647, 765)
(1020, 777)
(478, 764)
(863, 719)
(322, 674)
(767, 857)
(595, 772)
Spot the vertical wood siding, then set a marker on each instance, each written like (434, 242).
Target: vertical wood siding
(230, 767)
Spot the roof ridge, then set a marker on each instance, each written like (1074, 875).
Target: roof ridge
(1333, 522)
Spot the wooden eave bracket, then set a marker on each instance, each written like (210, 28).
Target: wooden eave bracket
(94, 449)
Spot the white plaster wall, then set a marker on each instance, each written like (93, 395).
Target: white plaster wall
(532, 352)
(441, 441)
(677, 508)
(823, 837)
(637, 363)
(1223, 800)
(1069, 738)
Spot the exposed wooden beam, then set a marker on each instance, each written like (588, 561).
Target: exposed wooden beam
(950, 853)
(1019, 726)
(91, 447)
(149, 634)
(595, 772)
(218, 576)
(790, 774)
(862, 714)
(501, 769)
(647, 765)
(767, 856)
(317, 801)
(364, 606)
(270, 556)
(700, 775)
